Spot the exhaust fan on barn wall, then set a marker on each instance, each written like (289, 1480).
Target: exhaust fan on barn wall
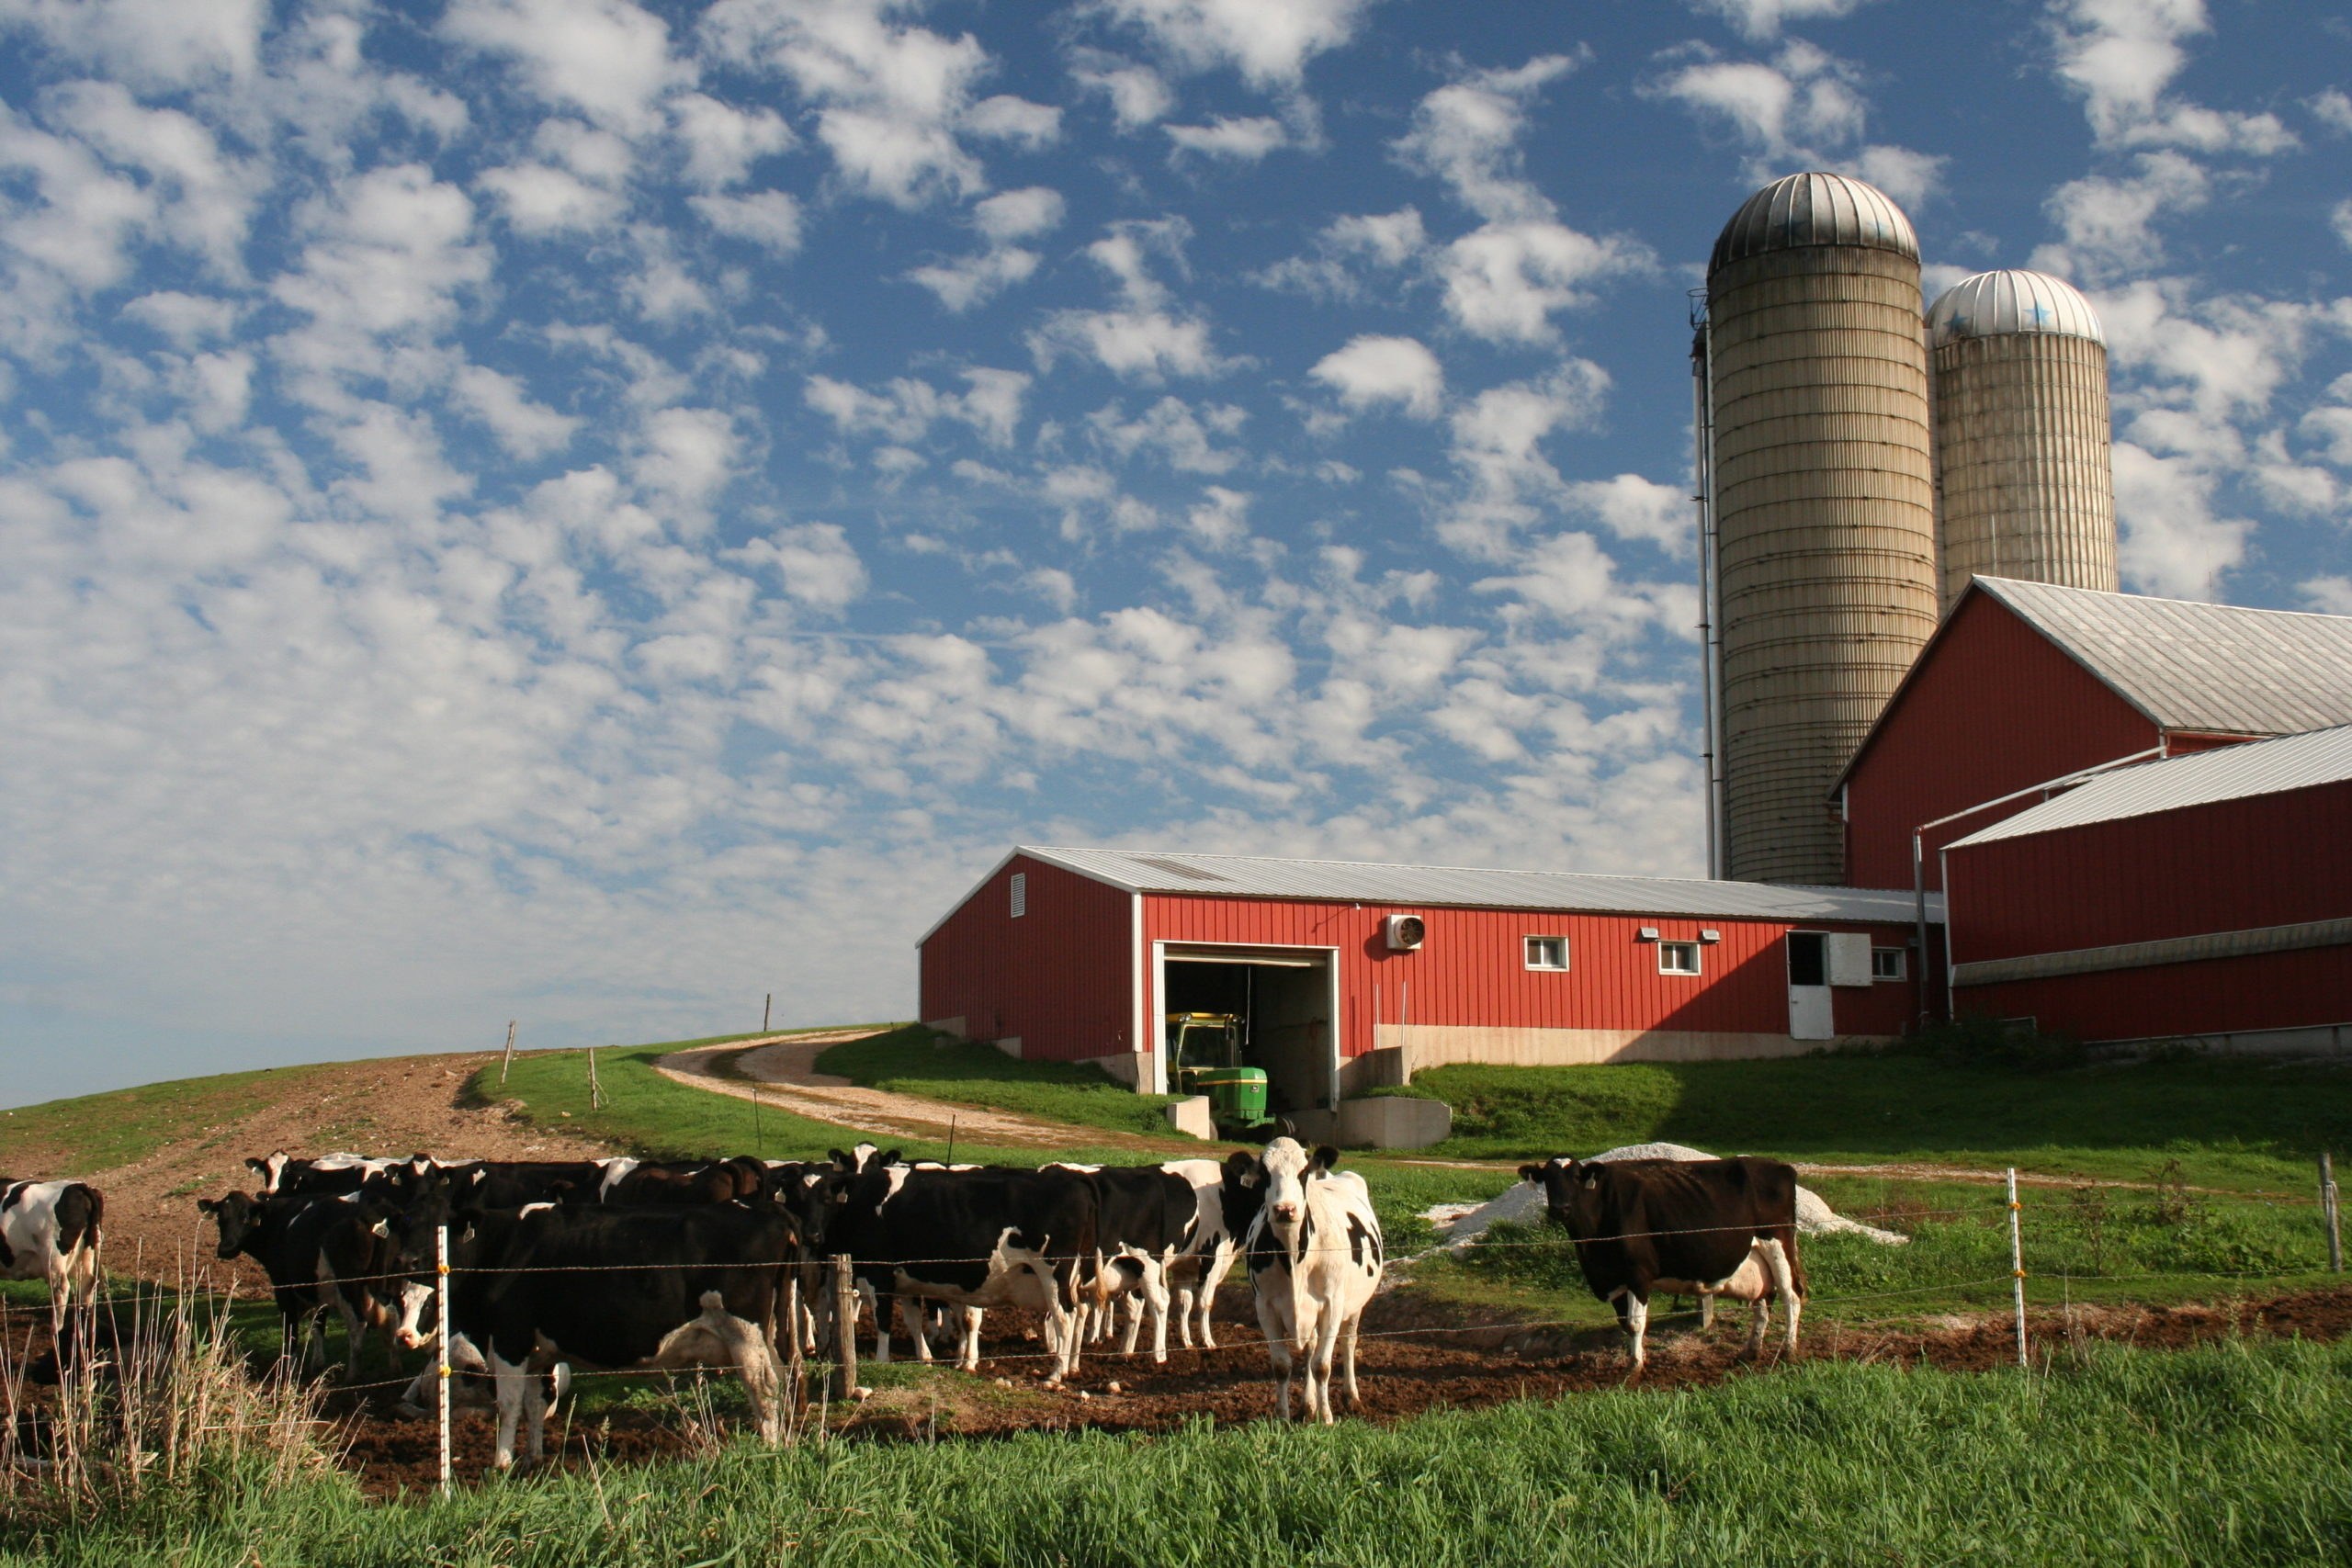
(1406, 932)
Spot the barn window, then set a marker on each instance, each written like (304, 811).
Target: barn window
(1020, 894)
(1547, 952)
(1678, 958)
(1886, 964)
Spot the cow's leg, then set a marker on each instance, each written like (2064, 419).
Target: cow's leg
(1633, 1317)
(967, 1355)
(911, 1313)
(1219, 1266)
(1325, 1349)
(1706, 1309)
(1184, 1296)
(1355, 1396)
(1277, 1337)
(1156, 1298)
(1776, 1258)
(510, 1379)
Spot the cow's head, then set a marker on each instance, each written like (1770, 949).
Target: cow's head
(272, 1170)
(1572, 1194)
(1282, 1172)
(239, 1216)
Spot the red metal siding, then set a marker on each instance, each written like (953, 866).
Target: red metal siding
(1060, 977)
(2271, 860)
(1471, 970)
(1994, 706)
(2270, 990)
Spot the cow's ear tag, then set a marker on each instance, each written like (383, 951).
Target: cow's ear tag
(382, 1227)
(1590, 1182)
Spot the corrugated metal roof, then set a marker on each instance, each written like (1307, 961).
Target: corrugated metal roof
(1814, 209)
(2227, 773)
(2211, 668)
(2013, 300)
(1259, 876)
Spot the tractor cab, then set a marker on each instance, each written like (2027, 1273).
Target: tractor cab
(1205, 1057)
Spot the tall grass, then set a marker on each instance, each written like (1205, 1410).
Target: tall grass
(152, 1400)
(2232, 1453)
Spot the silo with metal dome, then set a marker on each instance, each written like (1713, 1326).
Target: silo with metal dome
(2025, 483)
(1820, 522)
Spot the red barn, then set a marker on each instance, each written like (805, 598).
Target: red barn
(1081, 954)
(2026, 682)
(2207, 897)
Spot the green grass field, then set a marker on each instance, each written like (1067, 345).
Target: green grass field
(2240, 1125)
(2232, 1453)
(912, 1059)
(99, 1131)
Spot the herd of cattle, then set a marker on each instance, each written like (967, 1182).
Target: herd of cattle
(632, 1264)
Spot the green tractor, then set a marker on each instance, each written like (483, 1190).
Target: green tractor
(1204, 1050)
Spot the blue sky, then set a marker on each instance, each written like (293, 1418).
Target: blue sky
(591, 512)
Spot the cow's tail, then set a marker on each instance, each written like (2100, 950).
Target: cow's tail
(1796, 1265)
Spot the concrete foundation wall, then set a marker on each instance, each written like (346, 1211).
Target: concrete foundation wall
(1403, 1050)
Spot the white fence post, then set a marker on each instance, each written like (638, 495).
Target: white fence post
(441, 1303)
(2328, 1213)
(2017, 1263)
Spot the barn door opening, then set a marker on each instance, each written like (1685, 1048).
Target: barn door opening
(1810, 1014)
(1282, 1002)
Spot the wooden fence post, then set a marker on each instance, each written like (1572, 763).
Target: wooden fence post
(845, 1327)
(2330, 1208)
(507, 1060)
(766, 1006)
(595, 1090)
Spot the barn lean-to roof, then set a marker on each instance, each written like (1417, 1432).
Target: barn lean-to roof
(2185, 666)
(1437, 886)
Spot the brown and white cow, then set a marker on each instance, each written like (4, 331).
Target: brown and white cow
(1705, 1228)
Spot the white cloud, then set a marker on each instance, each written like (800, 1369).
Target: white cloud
(2340, 217)
(1146, 340)
(684, 457)
(525, 429)
(2332, 109)
(1240, 140)
(205, 199)
(391, 249)
(1268, 41)
(1765, 18)
(1503, 281)
(1371, 370)
(606, 58)
(2173, 545)
(1804, 108)
(1172, 430)
(769, 218)
(1466, 133)
(2328, 595)
(722, 142)
(1009, 216)
(2106, 223)
(1031, 126)
(1497, 447)
(161, 43)
(1221, 520)
(904, 410)
(1387, 241)
(187, 319)
(2121, 55)
(1634, 508)
(890, 98)
(539, 199)
(1019, 214)
(818, 565)
(1137, 96)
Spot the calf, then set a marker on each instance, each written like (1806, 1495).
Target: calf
(322, 1253)
(1315, 1258)
(1705, 1228)
(51, 1230)
(619, 1288)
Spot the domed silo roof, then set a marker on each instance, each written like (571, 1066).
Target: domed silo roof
(1814, 209)
(1992, 304)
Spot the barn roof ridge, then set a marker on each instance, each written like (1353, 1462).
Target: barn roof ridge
(2263, 680)
(2275, 766)
(1390, 882)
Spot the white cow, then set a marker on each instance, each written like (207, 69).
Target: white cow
(49, 1230)
(1315, 1258)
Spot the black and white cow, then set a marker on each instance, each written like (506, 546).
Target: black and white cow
(673, 1288)
(984, 1238)
(1705, 1228)
(324, 1252)
(1161, 1237)
(282, 1173)
(51, 1230)
(1315, 1258)
(511, 1183)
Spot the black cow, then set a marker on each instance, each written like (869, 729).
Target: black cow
(511, 1183)
(618, 1288)
(979, 1239)
(1705, 1228)
(323, 1253)
(683, 1181)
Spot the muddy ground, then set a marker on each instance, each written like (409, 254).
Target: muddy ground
(1418, 1355)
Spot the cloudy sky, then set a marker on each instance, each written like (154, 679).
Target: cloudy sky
(591, 513)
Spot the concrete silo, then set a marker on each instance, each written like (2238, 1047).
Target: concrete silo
(2025, 483)
(1819, 530)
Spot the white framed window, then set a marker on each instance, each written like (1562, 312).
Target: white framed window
(1678, 958)
(1020, 894)
(1547, 952)
(1886, 964)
